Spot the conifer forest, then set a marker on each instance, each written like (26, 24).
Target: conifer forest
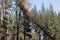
(18, 22)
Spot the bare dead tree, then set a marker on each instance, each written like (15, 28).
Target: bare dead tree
(26, 16)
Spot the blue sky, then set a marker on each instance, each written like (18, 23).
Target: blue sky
(38, 3)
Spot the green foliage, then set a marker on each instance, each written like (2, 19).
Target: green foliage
(44, 17)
